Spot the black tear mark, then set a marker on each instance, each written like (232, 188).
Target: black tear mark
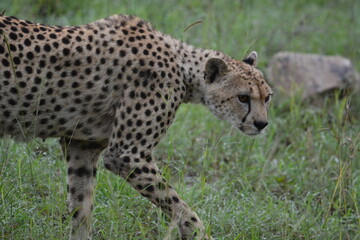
(244, 119)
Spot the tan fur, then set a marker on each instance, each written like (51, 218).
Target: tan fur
(116, 84)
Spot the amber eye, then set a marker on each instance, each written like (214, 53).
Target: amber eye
(267, 98)
(244, 98)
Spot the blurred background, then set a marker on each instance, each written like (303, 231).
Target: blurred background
(299, 180)
(269, 26)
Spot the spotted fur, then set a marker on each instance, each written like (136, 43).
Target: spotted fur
(115, 85)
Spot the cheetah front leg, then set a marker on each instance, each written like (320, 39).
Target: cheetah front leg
(137, 129)
(81, 158)
(143, 174)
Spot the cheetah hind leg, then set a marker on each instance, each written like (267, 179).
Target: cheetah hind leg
(81, 158)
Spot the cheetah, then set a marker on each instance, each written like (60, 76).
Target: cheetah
(114, 86)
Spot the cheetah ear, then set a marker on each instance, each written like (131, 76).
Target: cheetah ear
(251, 59)
(214, 68)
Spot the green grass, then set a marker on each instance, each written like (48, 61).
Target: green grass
(300, 180)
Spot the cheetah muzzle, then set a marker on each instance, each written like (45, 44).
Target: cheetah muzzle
(115, 85)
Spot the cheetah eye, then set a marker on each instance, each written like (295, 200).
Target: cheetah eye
(244, 98)
(267, 99)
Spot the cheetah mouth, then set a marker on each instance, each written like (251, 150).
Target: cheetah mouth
(252, 134)
(249, 132)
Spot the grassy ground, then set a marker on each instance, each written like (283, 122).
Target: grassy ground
(300, 180)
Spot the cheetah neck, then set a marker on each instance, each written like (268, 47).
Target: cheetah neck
(192, 62)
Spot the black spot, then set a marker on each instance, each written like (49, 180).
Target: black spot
(53, 59)
(88, 71)
(16, 60)
(137, 171)
(137, 106)
(75, 85)
(27, 42)
(49, 91)
(7, 74)
(128, 136)
(40, 37)
(29, 96)
(150, 188)
(5, 62)
(49, 75)
(6, 113)
(142, 62)
(52, 35)
(89, 85)
(65, 40)
(109, 71)
(13, 36)
(45, 121)
(126, 159)
(28, 69)
(145, 169)
(42, 64)
(81, 197)
(139, 123)
(13, 47)
(24, 30)
(120, 42)
(66, 51)
(18, 74)
(79, 49)
(60, 83)
(14, 90)
(22, 84)
(134, 150)
(82, 171)
(149, 131)
(132, 94)
(134, 50)
(47, 48)
(122, 53)
(148, 158)
(148, 112)
(57, 108)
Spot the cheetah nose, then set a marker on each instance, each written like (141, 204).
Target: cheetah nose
(260, 124)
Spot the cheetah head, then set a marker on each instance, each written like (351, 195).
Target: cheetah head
(237, 92)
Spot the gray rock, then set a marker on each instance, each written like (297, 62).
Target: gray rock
(310, 74)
